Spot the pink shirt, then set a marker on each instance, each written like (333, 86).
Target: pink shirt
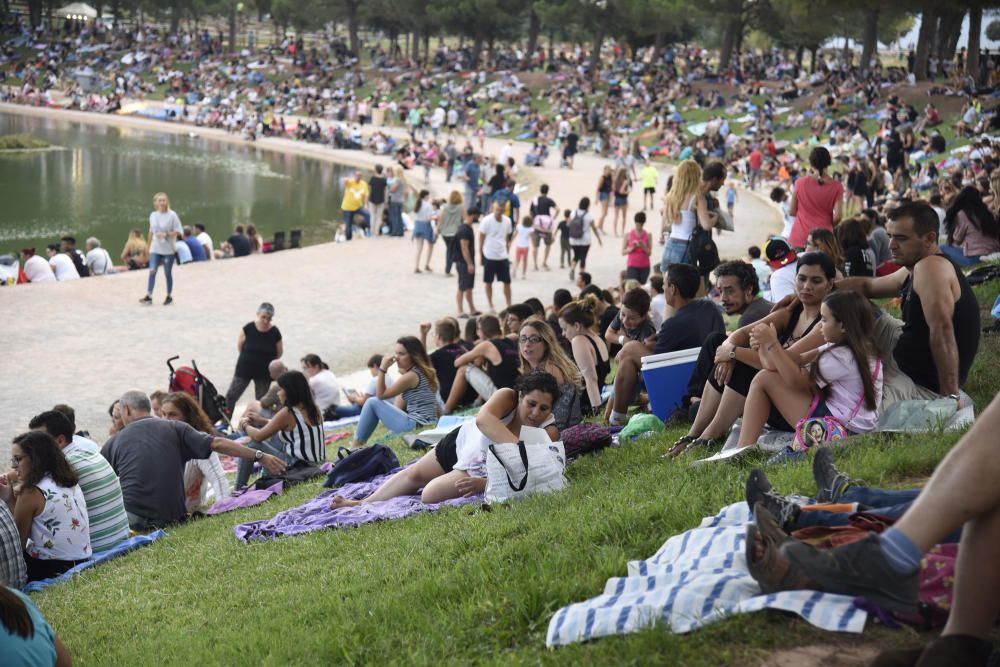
(972, 241)
(815, 204)
(638, 259)
(839, 370)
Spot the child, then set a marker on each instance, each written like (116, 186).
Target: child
(565, 253)
(522, 244)
(844, 380)
(637, 247)
(730, 198)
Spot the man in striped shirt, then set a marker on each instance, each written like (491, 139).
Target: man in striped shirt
(99, 483)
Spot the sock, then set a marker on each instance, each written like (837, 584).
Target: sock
(902, 554)
(618, 417)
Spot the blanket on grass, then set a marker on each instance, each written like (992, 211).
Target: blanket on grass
(101, 557)
(696, 578)
(246, 498)
(317, 515)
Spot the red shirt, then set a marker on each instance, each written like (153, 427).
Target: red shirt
(815, 204)
(771, 149)
(756, 158)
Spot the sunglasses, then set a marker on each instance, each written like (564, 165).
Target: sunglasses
(534, 340)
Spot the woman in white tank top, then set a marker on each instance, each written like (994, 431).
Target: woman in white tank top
(683, 208)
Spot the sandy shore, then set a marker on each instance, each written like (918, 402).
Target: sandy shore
(85, 342)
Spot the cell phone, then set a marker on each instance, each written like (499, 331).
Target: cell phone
(351, 393)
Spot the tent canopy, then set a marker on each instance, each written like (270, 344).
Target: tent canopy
(77, 10)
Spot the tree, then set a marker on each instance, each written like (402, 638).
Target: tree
(972, 55)
(349, 11)
(993, 31)
(928, 23)
(482, 21)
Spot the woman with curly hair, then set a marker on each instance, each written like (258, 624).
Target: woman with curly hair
(200, 475)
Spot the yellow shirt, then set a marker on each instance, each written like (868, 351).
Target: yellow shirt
(355, 193)
(648, 175)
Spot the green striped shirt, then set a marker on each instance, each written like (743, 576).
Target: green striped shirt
(102, 492)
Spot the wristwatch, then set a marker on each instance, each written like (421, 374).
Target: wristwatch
(258, 455)
(732, 354)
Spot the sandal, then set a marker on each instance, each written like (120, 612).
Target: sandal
(772, 571)
(679, 446)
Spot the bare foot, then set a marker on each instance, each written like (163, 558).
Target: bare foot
(341, 501)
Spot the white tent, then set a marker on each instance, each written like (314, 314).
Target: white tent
(78, 11)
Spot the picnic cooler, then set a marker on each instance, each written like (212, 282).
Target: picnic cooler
(666, 376)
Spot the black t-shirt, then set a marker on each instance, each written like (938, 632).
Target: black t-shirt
(609, 315)
(240, 244)
(542, 206)
(859, 262)
(913, 349)
(571, 140)
(260, 348)
(505, 374)
(443, 360)
(465, 232)
(376, 189)
(689, 327)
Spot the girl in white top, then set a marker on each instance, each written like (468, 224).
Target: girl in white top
(298, 424)
(322, 381)
(457, 465)
(49, 510)
(522, 244)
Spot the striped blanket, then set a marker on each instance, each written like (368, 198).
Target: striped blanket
(695, 579)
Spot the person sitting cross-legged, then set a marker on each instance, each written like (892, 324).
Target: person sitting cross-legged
(457, 464)
(492, 364)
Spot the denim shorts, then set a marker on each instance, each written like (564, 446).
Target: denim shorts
(675, 252)
(423, 230)
(603, 196)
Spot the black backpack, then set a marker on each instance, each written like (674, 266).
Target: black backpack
(361, 465)
(703, 253)
(576, 226)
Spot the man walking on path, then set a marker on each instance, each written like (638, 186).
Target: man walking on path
(495, 234)
(164, 230)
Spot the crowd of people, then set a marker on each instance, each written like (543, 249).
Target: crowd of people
(808, 343)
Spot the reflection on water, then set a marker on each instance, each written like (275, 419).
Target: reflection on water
(103, 184)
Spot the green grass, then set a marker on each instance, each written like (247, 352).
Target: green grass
(464, 585)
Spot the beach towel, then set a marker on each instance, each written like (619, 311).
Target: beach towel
(696, 578)
(246, 498)
(101, 557)
(317, 515)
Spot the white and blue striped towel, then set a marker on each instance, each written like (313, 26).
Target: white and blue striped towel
(696, 578)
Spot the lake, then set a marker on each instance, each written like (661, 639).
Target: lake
(101, 183)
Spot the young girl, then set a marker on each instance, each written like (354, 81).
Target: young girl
(457, 465)
(565, 251)
(49, 507)
(844, 380)
(522, 245)
(637, 247)
(423, 228)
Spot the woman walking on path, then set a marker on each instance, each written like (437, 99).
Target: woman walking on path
(451, 222)
(397, 187)
(580, 228)
(622, 188)
(604, 194)
(423, 229)
(259, 344)
(164, 230)
(817, 201)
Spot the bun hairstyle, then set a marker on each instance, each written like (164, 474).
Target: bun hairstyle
(582, 311)
(313, 360)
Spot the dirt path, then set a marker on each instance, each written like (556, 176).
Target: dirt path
(85, 342)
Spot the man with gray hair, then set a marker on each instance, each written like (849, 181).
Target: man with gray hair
(98, 260)
(149, 454)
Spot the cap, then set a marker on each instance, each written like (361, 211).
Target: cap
(778, 252)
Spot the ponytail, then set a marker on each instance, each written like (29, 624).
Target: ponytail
(14, 614)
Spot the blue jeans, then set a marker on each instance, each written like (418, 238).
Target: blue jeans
(954, 254)
(244, 467)
(154, 264)
(374, 411)
(396, 218)
(675, 252)
(349, 221)
(348, 410)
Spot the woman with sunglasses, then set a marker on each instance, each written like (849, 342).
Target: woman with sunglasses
(540, 350)
(48, 505)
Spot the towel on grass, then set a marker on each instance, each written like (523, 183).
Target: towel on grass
(696, 578)
(317, 515)
(98, 558)
(246, 498)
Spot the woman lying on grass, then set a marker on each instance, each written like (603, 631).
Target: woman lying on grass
(457, 465)
(843, 381)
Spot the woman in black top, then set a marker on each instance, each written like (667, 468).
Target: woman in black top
(604, 195)
(859, 258)
(577, 321)
(259, 344)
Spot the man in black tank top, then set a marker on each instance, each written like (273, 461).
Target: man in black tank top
(928, 354)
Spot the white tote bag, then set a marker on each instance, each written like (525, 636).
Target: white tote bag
(515, 470)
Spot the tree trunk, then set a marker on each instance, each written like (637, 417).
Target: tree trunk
(477, 52)
(972, 50)
(491, 51)
(232, 27)
(534, 29)
(949, 25)
(427, 46)
(595, 53)
(659, 41)
(352, 29)
(115, 9)
(800, 53)
(870, 45)
(728, 42)
(175, 16)
(813, 58)
(415, 47)
(928, 23)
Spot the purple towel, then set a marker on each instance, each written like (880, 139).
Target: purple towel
(317, 515)
(247, 498)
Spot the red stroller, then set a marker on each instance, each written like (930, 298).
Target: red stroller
(189, 380)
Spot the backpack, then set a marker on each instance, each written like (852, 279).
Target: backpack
(702, 251)
(584, 438)
(983, 274)
(576, 226)
(361, 465)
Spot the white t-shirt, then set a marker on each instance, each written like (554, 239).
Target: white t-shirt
(98, 261)
(38, 270)
(471, 445)
(371, 389)
(206, 240)
(838, 369)
(588, 220)
(657, 305)
(325, 388)
(63, 267)
(184, 253)
(783, 282)
(495, 233)
(160, 227)
(523, 239)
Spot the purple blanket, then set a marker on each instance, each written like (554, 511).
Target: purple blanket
(247, 498)
(317, 515)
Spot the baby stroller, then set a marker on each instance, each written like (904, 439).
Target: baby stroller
(189, 380)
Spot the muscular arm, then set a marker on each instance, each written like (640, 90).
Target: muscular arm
(934, 282)
(876, 288)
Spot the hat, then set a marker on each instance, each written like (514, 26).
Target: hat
(778, 252)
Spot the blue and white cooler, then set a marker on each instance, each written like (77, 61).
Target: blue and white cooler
(666, 376)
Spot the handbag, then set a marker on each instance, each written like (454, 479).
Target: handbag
(516, 470)
(817, 431)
